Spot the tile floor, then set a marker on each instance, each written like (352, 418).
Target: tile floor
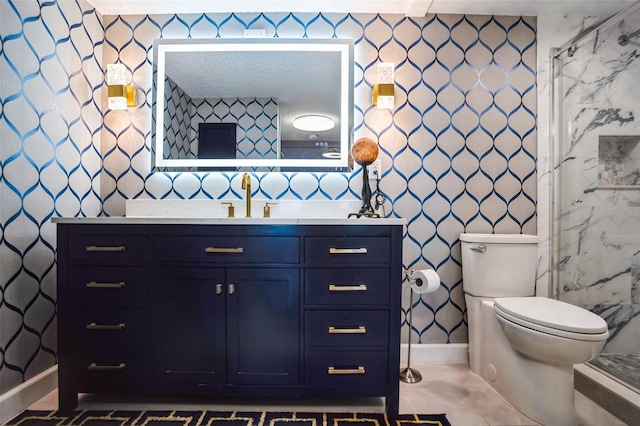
(450, 388)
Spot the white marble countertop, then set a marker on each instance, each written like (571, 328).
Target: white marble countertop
(230, 221)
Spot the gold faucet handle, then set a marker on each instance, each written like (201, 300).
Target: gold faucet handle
(231, 210)
(267, 208)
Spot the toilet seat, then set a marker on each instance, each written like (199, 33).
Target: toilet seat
(552, 317)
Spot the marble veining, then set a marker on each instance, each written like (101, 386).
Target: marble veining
(624, 367)
(598, 163)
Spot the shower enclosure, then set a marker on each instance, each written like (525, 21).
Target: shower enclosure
(596, 184)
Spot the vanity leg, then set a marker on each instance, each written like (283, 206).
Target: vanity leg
(392, 403)
(67, 400)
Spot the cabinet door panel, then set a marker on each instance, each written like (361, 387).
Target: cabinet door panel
(263, 326)
(189, 325)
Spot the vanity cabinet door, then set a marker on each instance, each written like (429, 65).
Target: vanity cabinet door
(235, 326)
(263, 326)
(189, 325)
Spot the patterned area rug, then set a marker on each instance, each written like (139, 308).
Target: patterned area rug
(215, 418)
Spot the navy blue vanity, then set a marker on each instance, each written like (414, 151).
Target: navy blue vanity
(200, 307)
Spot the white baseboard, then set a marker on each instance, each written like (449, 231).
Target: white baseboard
(435, 353)
(22, 396)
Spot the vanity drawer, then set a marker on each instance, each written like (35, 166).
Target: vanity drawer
(108, 248)
(368, 286)
(347, 369)
(346, 328)
(107, 285)
(227, 249)
(108, 332)
(92, 371)
(106, 344)
(347, 250)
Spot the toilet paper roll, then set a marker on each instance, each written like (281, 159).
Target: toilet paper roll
(425, 281)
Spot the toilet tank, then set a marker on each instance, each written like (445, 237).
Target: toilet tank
(499, 265)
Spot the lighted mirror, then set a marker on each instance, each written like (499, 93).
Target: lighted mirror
(231, 104)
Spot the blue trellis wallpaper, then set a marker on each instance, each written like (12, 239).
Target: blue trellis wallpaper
(257, 120)
(177, 119)
(458, 151)
(50, 116)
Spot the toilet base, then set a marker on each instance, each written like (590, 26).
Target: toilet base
(543, 392)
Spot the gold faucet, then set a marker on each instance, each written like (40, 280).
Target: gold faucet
(246, 184)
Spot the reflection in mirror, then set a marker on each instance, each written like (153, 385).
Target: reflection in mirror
(230, 105)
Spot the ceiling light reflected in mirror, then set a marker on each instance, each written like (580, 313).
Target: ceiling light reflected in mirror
(313, 123)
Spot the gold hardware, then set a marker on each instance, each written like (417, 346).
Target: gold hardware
(107, 249)
(94, 326)
(218, 288)
(360, 330)
(361, 287)
(95, 367)
(267, 208)
(231, 289)
(230, 210)
(382, 89)
(333, 370)
(224, 250)
(246, 184)
(362, 250)
(94, 284)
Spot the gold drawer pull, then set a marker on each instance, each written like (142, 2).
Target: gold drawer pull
(94, 326)
(333, 370)
(94, 284)
(224, 250)
(107, 249)
(360, 330)
(96, 367)
(361, 287)
(361, 250)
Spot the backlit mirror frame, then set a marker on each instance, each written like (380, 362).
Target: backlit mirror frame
(164, 46)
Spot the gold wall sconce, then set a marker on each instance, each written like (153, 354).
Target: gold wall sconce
(383, 90)
(121, 95)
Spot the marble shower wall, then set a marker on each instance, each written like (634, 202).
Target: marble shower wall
(599, 221)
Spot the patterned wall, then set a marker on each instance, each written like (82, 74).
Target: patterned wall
(50, 118)
(177, 119)
(458, 151)
(257, 119)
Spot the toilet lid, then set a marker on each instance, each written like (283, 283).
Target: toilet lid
(552, 313)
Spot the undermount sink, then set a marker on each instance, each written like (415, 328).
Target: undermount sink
(175, 208)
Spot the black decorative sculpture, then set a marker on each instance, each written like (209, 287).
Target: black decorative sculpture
(364, 152)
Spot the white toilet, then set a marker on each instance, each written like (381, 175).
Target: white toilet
(524, 346)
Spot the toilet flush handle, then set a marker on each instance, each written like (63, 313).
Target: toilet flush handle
(481, 248)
